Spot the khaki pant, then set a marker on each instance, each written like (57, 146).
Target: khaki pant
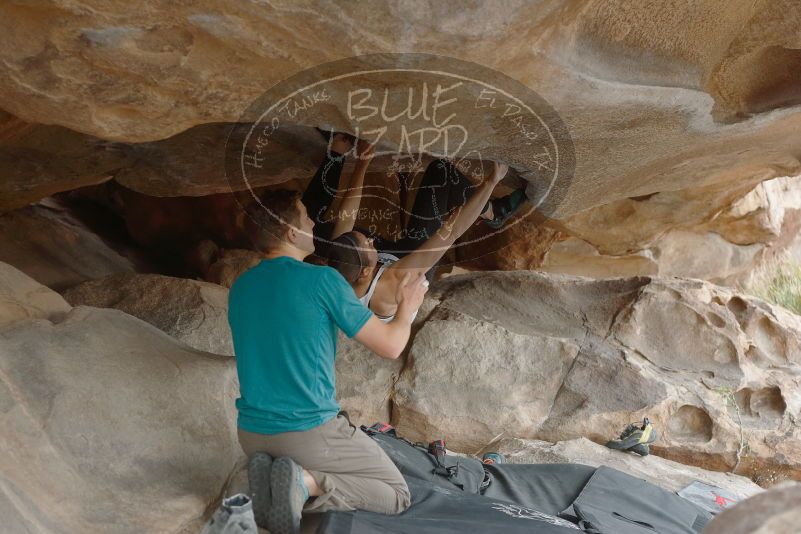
(351, 469)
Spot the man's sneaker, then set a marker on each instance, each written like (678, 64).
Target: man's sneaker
(635, 438)
(259, 471)
(289, 494)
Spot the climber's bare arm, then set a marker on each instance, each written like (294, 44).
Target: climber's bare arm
(432, 250)
(388, 340)
(348, 208)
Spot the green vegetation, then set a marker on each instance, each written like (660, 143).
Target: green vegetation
(779, 284)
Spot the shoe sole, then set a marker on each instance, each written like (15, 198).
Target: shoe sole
(285, 512)
(259, 474)
(625, 444)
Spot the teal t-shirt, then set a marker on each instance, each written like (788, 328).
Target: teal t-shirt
(284, 316)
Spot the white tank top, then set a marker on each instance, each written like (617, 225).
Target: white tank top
(384, 261)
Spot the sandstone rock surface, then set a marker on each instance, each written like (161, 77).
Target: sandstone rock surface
(38, 160)
(650, 94)
(23, 298)
(556, 358)
(109, 425)
(716, 235)
(777, 511)
(230, 264)
(50, 245)
(190, 311)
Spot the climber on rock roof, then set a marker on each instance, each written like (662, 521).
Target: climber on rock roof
(445, 207)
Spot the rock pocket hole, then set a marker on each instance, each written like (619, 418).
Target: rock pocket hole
(690, 424)
(761, 408)
(738, 307)
(716, 320)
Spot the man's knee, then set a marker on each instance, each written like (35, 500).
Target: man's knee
(387, 498)
(404, 498)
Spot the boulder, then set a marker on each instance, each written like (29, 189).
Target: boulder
(776, 511)
(364, 382)
(99, 407)
(191, 311)
(550, 357)
(230, 264)
(22, 298)
(48, 243)
(39, 160)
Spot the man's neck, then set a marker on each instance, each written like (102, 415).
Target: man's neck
(286, 250)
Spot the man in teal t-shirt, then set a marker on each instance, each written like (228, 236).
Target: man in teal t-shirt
(287, 381)
(284, 316)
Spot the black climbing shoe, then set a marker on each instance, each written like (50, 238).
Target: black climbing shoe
(635, 438)
(289, 494)
(505, 207)
(259, 471)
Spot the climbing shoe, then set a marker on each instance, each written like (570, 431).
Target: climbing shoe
(289, 494)
(490, 458)
(635, 438)
(641, 449)
(259, 471)
(505, 207)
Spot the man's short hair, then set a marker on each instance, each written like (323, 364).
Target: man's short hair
(267, 224)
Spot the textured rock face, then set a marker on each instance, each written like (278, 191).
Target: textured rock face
(190, 311)
(23, 298)
(704, 233)
(665, 473)
(365, 382)
(556, 358)
(47, 243)
(99, 407)
(230, 264)
(777, 511)
(638, 86)
(39, 160)
(677, 111)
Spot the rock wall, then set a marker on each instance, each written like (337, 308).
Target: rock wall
(655, 100)
(110, 425)
(555, 358)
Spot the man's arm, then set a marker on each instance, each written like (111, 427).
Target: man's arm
(346, 216)
(388, 340)
(429, 253)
